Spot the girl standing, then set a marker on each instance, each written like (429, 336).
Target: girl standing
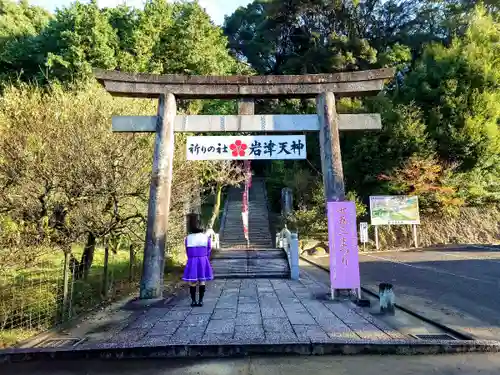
(198, 269)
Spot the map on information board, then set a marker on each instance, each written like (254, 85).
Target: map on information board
(394, 210)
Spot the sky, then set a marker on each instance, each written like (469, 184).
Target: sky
(215, 8)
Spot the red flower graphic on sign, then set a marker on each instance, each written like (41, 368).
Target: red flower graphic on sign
(238, 148)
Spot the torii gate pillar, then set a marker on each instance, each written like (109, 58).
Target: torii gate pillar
(151, 287)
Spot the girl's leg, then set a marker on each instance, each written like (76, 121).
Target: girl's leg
(202, 293)
(192, 291)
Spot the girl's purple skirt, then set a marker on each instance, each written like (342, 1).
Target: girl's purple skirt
(198, 266)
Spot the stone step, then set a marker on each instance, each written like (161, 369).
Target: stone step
(246, 275)
(234, 233)
(258, 226)
(239, 233)
(244, 246)
(255, 227)
(251, 244)
(249, 254)
(276, 267)
(238, 263)
(238, 236)
(243, 240)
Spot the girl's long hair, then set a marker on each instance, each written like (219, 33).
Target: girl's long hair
(194, 223)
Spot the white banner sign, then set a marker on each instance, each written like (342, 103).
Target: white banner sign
(261, 147)
(363, 232)
(244, 217)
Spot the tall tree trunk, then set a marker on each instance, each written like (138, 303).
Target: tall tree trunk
(87, 256)
(215, 212)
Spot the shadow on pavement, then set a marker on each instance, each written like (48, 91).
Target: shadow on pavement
(466, 364)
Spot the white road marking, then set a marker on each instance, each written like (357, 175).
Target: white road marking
(486, 247)
(432, 269)
(469, 257)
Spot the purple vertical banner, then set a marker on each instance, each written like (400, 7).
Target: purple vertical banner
(246, 197)
(343, 245)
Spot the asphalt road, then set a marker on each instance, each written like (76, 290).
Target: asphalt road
(458, 287)
(465, 364)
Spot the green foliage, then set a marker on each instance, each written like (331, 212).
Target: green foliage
(429, 180)
(20, 25)
(162, 38)
(440, 138)
(457, 89)
(101, 190)
(79, 38)
(298, 37)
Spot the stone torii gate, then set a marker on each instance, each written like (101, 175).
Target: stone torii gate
(323, 87)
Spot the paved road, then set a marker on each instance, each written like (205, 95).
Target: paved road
(459, 287)
(466, 364)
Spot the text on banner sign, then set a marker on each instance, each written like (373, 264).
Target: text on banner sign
(272, 147)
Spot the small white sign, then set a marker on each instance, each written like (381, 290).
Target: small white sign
(363, 232)
(260, 147)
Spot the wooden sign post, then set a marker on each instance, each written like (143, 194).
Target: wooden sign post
(323, 87)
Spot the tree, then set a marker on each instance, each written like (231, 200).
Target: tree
(457, 91)
(79, 39)
(20, 24)
(161, 38)
(64, 173)
(298, 37)
(220, 174)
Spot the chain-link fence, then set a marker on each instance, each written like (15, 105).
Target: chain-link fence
(52, 290)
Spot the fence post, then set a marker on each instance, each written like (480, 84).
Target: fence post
(131, 263)
(105, 276)
(294, 256)
(71, 293)
(64, 307)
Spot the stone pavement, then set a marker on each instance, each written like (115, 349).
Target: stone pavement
(240, 317)
(252, 311)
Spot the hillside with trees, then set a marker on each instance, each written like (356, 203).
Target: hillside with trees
(440, 115)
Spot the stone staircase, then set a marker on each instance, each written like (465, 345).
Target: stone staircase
(259, 234)
(238, 263)
(259, 259)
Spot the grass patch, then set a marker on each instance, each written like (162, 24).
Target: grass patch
(12, 337)
(32, 298)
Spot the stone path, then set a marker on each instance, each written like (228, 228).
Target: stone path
(260, 311)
